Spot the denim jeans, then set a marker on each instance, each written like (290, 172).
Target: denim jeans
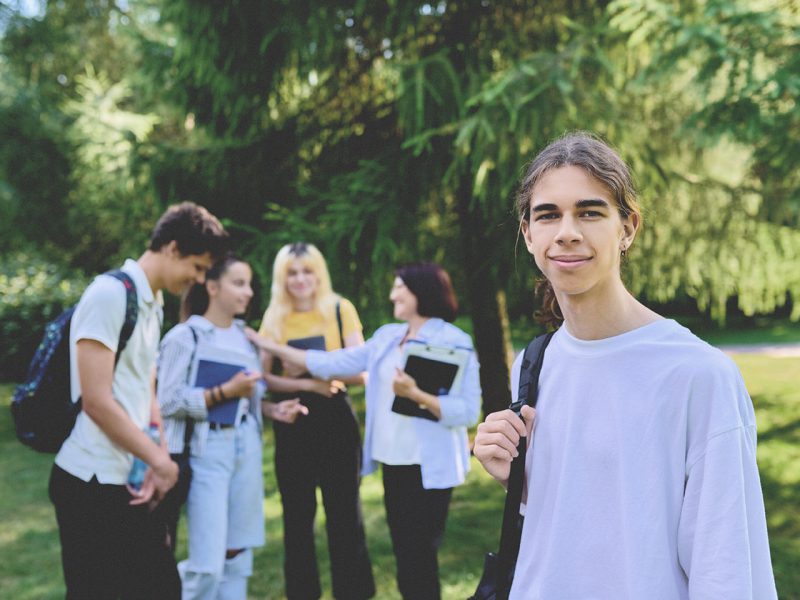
(225, 510)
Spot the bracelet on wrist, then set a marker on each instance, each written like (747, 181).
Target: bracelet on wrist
(222, 396)
(212, 395)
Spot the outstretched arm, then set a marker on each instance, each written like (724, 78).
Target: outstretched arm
(272, 349)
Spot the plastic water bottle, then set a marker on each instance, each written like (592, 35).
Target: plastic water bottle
(136, 476)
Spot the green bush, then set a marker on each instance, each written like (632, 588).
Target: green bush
(33, 291)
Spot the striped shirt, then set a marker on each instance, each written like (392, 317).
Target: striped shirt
(181, 401)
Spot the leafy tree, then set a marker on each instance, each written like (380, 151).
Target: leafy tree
(730, 71)
(388, 132)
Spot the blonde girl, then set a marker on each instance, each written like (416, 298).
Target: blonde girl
(323, 448)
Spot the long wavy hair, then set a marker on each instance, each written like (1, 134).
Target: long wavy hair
(280, 302)
(598, 159)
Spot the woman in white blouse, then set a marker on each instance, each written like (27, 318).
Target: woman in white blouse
(422, 459)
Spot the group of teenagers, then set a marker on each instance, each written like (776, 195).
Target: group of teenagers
(640, 478)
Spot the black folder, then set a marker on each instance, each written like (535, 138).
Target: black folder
(433, 376)
(316, 342)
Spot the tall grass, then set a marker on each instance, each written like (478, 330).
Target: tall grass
(29, 550)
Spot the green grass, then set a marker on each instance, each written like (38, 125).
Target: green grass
(29, 551)
(760, 330)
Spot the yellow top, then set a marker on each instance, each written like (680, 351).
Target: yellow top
(299, 325)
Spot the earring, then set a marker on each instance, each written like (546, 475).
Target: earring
(624, 252)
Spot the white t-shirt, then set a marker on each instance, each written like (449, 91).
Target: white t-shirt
(394, 438)
(642, 476)
(99, 316)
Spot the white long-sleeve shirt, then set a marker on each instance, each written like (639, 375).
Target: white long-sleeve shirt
(642, 476)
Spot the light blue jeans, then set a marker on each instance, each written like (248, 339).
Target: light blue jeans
(225, 510)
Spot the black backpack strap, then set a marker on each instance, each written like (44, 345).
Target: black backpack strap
(131, 309)
(529, 372)
(189, 429)
(511, 532)
(339, 322)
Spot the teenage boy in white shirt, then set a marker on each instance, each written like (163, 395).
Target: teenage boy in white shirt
(111, 546)
(641, 473)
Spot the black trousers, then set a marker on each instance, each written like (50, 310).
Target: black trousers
(322, 449)
(169, 509)
(416, 519)
(110, 549)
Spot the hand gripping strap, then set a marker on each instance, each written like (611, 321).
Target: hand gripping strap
(512, 521)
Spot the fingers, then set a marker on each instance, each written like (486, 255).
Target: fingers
(402, 383)
(326, 388)
(243, 382)
(497, 438)
(288, 411)
(529, 416)
(295, 410)
(508, 416)
(293, 406)
(144, 494)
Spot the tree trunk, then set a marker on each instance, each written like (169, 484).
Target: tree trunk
(486, 302)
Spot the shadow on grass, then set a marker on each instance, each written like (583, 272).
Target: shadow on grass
(788, 433)
(781, 500)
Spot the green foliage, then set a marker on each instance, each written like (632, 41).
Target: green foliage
(714, 148)
(34, 291)
(31, 204)
(743, 65)
(385, 132)
(112, 195)
(74, 181)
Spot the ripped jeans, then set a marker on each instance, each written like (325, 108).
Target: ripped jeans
(225, 510)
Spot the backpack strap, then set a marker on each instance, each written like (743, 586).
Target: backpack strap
(339, 322)
(511, 532)
(529, 372)
(131, 309)
(189, 429)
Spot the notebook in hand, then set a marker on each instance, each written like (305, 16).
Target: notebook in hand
(433, 376)
(316, 342)
(211, 373)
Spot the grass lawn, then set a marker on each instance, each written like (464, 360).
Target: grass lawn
(29, 550)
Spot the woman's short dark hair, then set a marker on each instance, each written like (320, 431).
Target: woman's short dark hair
(195, 301)
(194, 229)
(431, 284)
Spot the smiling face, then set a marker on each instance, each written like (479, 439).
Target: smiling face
(181, 272)
(232, 292)
(576, 233)
(404, 300)
(301, 281)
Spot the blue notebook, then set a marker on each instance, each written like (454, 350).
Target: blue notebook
(211, 373)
